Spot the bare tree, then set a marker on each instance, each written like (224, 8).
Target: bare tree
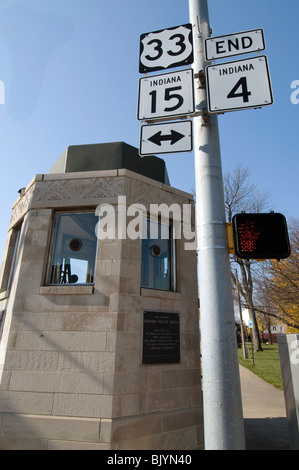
(242, 195)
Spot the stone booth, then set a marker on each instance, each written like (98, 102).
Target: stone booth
(99, 335)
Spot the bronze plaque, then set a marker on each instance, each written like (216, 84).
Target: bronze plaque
(161, 337)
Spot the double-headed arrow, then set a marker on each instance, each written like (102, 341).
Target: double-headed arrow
(174, 137)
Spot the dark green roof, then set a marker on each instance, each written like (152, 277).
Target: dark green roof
(110, 156)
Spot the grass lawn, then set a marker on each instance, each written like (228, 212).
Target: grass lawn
(267, 364)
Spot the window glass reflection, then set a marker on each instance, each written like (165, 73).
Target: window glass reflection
(157, 266)
(74, 254)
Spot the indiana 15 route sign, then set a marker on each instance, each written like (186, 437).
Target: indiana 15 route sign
(167, 95)
(239, 85)
(166, 138)
(167, 48)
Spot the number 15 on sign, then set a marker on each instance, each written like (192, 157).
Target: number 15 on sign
(239, 85)
(166, 95)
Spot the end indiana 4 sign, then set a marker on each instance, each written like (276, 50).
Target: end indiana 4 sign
(239, 85)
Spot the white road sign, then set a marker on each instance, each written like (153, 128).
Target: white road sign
(166, 138)
(164, 49)
(239, 85)
(163, 96)
(234, 44)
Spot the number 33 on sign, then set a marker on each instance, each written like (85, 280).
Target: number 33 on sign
(239, 85)
(165, 49)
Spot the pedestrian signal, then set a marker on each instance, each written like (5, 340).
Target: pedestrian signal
(261, 236)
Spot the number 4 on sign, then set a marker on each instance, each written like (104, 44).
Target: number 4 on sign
(242, 83)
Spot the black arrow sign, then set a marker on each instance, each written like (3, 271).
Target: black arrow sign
(174, 137)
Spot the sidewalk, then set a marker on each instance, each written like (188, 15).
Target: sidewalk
(265, 421)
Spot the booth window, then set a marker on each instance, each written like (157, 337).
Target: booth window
(158, 256)
(74, 248)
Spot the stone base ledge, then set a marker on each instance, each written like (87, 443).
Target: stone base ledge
(160, 294)
(66, 290)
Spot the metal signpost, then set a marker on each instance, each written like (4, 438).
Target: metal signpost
(223, 416)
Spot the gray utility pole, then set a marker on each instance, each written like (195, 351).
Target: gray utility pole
(223, 416)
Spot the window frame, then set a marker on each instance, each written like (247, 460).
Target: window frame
(52, 247)
(172, 250)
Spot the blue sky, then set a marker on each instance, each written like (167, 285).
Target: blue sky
(70, 72)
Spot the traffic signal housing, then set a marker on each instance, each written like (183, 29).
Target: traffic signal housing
(261, 236)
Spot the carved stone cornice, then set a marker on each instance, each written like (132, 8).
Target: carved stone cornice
(77, 192)
(74, 192)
